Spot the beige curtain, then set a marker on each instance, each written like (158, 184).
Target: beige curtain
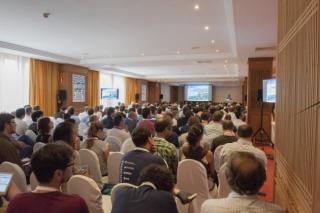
(131, 90)
(44, 78)
(93, 88)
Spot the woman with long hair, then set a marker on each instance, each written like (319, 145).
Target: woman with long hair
(45, 126)
(94, 142)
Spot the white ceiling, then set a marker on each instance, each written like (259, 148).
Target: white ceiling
(141, 38)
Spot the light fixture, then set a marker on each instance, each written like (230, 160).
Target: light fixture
(178, 52)
(212, 41)
(142, 54)
(217, 50)
(226, 61)
(196, 7)
(206, 27)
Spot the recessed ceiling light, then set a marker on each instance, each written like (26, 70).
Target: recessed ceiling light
(226, 61)
(225, 66)
(178, 52)
(206, 27)
(142, 54)
(196, 7)
(212, 41)
(82, 57)
(217, 50)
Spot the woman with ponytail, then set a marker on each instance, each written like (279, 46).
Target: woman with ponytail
(94, 143)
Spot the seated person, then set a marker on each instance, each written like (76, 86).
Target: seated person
(34, 126)
(94, 143)
(154, 193)
(44, 130)
(66, 133)
(119, 128)
(245, 174)
(136, 160)
(193, 149)
(52, 166)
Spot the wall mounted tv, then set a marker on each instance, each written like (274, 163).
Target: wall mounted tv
(269, 90)
(109, 94)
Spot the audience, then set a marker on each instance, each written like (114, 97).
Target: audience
(136, 160)
(131, 120)
(108, 120)
(227, 137)
(21, 124)
(214, 128)
(52, 166)
(95, 143)
(146, 120)
(119, 128)
(245, 174)
(34, 125)
(154, 193)
(27, 118)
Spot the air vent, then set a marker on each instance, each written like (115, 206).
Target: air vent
(204, 62)
(265, 48)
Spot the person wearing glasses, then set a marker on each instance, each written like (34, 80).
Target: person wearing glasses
(52, 166)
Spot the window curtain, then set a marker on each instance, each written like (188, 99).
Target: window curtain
(14, 82)
(93, 88)
(131, 90)
(44, 78)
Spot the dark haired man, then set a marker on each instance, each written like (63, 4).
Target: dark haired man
(136, 160)
(52, 166)
(243, 144)
(119, 128)
(165, 149)
(108, 121)
(146, 121)
(214, 128)
(131, 120)
(245, 174)
(27, 118)
(22, 126)
(154, 193)
(227, 137)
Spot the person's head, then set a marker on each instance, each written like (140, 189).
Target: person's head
(90, 111)
(163, 126)
(110, 112)
(160, 176)
(245, 131)
(227, 125)
(142, 137)
(133, 115)
(28, 110)
(36, 115)
(217, 116)
(95, 131)
(44, 125)
(195, 134)
(7, 123)
(36, 108)
(20, 113)
(205, 117)
(70, 110)
(52, 164)
(93, 119)
(245, 173)
(65, 132)
(193, 120)
(238, 114)
(97, 109)
(122, 108)
(227, 117)
(146, 113)
(118, 120)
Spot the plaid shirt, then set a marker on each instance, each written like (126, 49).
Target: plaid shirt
(168, 152)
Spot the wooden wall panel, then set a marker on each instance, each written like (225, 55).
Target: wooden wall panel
(133, 86)
(174, 93)
(66, 72)
(245, 91)
(153, 92)
(259, 69)
(297, 149)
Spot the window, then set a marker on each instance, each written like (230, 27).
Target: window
(14, 82)
(108, 80)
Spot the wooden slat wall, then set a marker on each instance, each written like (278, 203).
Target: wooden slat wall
(153, 92)
(297, 158)
(174, 93)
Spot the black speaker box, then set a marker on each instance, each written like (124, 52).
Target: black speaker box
(160, 96)
(259, 95)
(62, 95)
(137, 96)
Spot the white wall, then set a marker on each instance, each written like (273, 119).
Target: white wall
(108, 80)
(165, 91)
(221, 92)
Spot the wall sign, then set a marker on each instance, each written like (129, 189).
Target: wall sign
(143, 92)
(78, 88)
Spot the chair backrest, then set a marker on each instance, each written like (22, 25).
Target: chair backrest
(192, 178)
(113, 165)
(90, 159)
(127, 146)
(224, 188)
(119, 186)
(31, 135)
(114, 144)
(216, 158)
(87, 189)
(19, 178)
(38, 146)
(33, 181)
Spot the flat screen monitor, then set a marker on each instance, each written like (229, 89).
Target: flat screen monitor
(269, 91)
(198, 93)
(109, 94)
(5, 179)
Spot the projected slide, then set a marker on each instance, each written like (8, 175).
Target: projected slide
(269, 90)
(198, 93)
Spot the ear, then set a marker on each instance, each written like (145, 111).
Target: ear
(58, 175)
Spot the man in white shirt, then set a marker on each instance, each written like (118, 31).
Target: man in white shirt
(21, 124)
(119, 128)
(214, 129)
(245, 174)
(27, 117)
(243, 144)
